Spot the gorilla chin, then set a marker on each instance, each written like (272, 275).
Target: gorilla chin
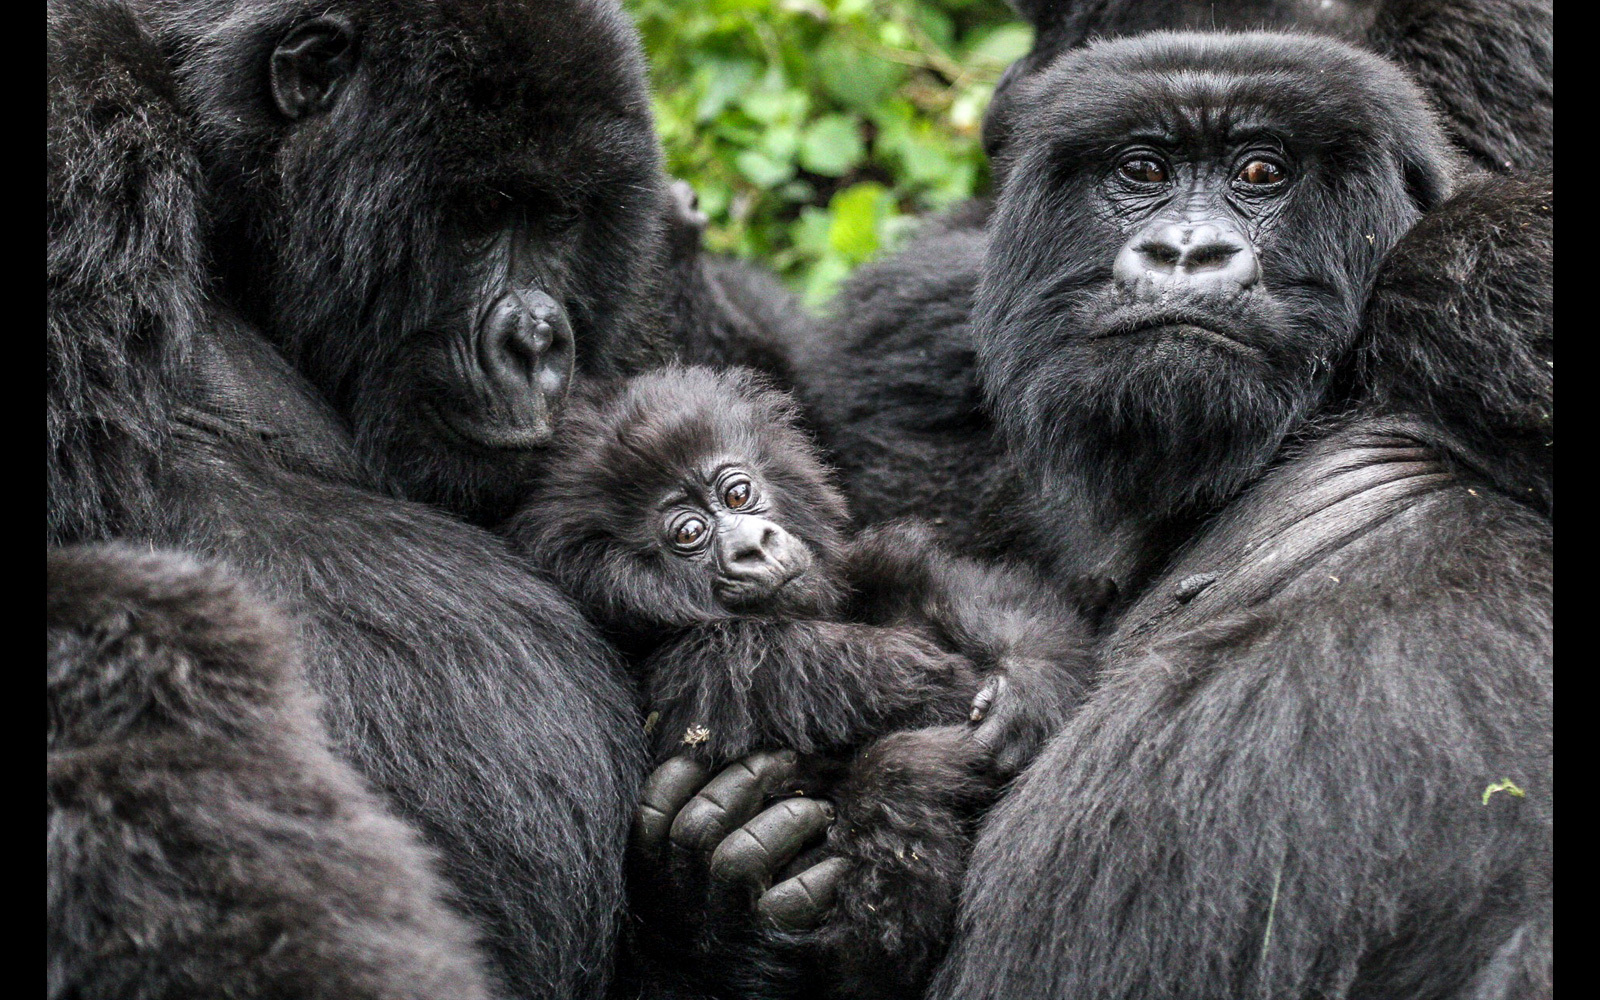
(1172, 405)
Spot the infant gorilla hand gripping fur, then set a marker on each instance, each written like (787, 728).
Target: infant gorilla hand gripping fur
(696, 524)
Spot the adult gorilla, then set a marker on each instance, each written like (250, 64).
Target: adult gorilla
(890, 381)
(1339, 642)
(438, 216)
(1284, 785)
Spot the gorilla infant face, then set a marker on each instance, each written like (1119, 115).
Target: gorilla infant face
(716, 520)
(442, 211)
(685, 495)
(1182, 249)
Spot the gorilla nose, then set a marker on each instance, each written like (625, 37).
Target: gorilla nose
(1191, 255)
(524, 340)
(525, 352)
(752, 542)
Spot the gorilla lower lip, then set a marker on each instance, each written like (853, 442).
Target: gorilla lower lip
(1183, 329)
(497, 437)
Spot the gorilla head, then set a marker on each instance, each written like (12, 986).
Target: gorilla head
(441, 211)
(1065, 24)
(688, 495)
(1181, 252)
(1487, 64)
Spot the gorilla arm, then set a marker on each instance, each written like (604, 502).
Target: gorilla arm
(730, 686)
(1031, 645)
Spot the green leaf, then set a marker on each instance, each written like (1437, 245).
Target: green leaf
(1503, 785)
(857, 212)
(720, 81)
(762, 170)
(1002, 46)
(832, 146)
(855, 78)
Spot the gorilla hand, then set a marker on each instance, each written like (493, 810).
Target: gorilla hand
(704, 852)
(1015, 711)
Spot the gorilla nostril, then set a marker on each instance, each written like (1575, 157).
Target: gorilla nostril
(750, 554)
(1209, 255)
(1170, 257)
(1160, 253)
(518, 337)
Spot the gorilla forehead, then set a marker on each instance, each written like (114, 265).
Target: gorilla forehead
(1206, 86)
(507, 82)
(640, 443)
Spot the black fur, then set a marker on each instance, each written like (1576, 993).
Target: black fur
(201, 838)
(723, 312)
(1460, 327)
(878, 633)
(1487, 64)
(465, 688)
(888, 379)
(1341, 630)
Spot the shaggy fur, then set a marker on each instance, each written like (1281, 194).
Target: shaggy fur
(201, 840)
(888, 380)
(882, 632)
(1461, 327)
(1342, 634)
(466, 689)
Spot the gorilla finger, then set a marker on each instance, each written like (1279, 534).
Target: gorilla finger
(665, 791)
(750, 854)
(802, 902)
(992, 689)
(998, 727)
(731, 798)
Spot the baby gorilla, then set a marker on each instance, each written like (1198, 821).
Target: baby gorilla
(690, 516)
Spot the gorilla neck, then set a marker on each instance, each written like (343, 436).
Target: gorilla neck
(1079, 531)
(1097, 512)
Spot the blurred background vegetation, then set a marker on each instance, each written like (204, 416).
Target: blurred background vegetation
(815, 131)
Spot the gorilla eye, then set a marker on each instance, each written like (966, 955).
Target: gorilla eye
(688, 532)
(737, 494)
(1143, 169)
(1261, 172)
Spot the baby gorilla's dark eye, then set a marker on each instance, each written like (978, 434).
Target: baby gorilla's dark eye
(737, 494)
(1143, 169)
(1261, 172)
(688, 532)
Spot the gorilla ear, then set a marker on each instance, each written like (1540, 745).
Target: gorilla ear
(310, 64)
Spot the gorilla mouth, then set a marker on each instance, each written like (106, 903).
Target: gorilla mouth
(1177, 327)
(744, 592)
(497, 437)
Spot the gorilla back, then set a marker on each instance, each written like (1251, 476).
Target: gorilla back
(1341, 643)
(202, 840)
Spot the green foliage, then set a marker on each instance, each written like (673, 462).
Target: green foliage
(1503, 785)
(815, 131)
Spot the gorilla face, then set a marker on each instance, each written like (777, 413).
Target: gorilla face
(443, 212)
(687, 495)
(1180, 254)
